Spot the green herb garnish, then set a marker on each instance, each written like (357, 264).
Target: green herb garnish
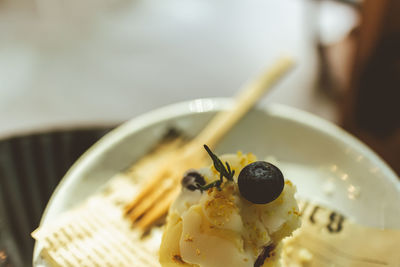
(220, 167)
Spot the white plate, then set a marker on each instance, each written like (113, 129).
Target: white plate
(315, 154)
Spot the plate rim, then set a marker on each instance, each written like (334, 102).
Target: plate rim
(213, 104)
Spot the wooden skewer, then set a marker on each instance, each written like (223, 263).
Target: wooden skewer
(159, 210)
(157, 194)
(164, 178)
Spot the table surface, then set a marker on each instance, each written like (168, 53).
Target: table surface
(95, 62)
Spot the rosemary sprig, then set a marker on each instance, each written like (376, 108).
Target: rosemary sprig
(220, 167)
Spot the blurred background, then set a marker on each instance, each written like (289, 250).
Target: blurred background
(72, 70)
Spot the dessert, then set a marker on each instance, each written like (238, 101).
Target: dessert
(233, 213)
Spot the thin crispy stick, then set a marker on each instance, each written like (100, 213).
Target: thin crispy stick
(191, 154)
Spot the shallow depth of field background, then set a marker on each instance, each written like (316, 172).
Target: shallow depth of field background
(85, 66)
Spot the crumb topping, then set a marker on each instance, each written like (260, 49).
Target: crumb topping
(198, 252)
(188, 238)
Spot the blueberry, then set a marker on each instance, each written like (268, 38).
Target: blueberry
(260, 182)
(192, 179)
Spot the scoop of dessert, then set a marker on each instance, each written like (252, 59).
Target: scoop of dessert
(214, 222)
